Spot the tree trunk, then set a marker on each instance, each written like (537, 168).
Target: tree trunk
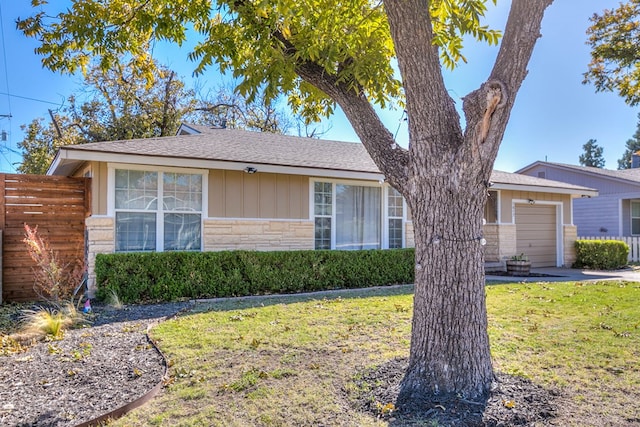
(444, 177)
(449, 342)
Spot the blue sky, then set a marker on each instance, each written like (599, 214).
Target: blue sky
(553, 117)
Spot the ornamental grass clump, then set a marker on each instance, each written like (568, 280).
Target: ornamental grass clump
(51, 322)
(57, 284)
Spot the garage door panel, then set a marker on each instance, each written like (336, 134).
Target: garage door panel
(536, 233)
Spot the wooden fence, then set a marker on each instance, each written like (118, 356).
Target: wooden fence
(58, 206)
(633, 242)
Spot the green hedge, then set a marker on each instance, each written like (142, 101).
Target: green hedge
(601, 254)
(168, 276)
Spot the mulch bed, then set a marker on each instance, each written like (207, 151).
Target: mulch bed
(513, 401)
(90, 372)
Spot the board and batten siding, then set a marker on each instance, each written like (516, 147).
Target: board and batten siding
(235, 194)
(232, 194)
(98, 173)
(507, 197)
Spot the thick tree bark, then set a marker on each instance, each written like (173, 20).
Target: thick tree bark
(448, 181)
(444, 176)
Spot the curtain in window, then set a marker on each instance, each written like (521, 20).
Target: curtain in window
(358, 217)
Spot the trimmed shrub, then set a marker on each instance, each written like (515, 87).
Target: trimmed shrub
(169, 276)
(601, 254)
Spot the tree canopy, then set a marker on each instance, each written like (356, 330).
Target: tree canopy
(614, 37)
(118, 104)
(592, 155)
(266, 44)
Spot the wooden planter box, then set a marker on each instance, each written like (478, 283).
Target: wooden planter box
(518, 268)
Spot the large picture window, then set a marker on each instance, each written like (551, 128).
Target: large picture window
(350, 216)
(158, 211)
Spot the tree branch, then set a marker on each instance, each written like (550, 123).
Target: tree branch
(486, 123)
(419, 63)
(388, 156)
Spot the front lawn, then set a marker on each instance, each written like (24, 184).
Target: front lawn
(290, 361)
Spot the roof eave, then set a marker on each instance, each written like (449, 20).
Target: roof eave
(572, 169)
(65, 161)
(577, 192)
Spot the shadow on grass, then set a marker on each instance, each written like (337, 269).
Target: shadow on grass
(239, 303)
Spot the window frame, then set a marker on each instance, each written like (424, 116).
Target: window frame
(159, 211)
(486, 206)
(631, 217)
(384, 217)
(387, 218)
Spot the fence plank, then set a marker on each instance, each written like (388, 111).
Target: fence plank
(58, 206)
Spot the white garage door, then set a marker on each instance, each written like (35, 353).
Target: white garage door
(536, 234)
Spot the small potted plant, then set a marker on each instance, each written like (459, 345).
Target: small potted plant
(518, 265)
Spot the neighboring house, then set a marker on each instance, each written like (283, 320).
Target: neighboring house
(219, 189)
(616, 210)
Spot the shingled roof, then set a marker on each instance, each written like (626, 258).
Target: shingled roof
(231, 145)
(631, 175)
(233, 149)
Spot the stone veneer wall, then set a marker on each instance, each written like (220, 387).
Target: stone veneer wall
(507, 246)
(570, 235)
(101, 240)
(409, 237)
(259, 235)
(490, 232)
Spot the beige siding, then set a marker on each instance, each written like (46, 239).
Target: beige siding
(99, 188)
(507, 197)
(235, 194)
(98, 173)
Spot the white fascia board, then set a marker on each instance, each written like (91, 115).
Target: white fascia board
(541, 189)
(186, 129)
(214, 164)
(55, 163)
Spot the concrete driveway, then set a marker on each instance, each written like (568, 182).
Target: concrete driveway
(571, 275)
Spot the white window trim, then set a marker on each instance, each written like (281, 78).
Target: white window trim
(384, 218)
(631, 202)
(499, 209)
(111, 195)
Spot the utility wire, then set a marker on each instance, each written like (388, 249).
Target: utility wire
(29, 99)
